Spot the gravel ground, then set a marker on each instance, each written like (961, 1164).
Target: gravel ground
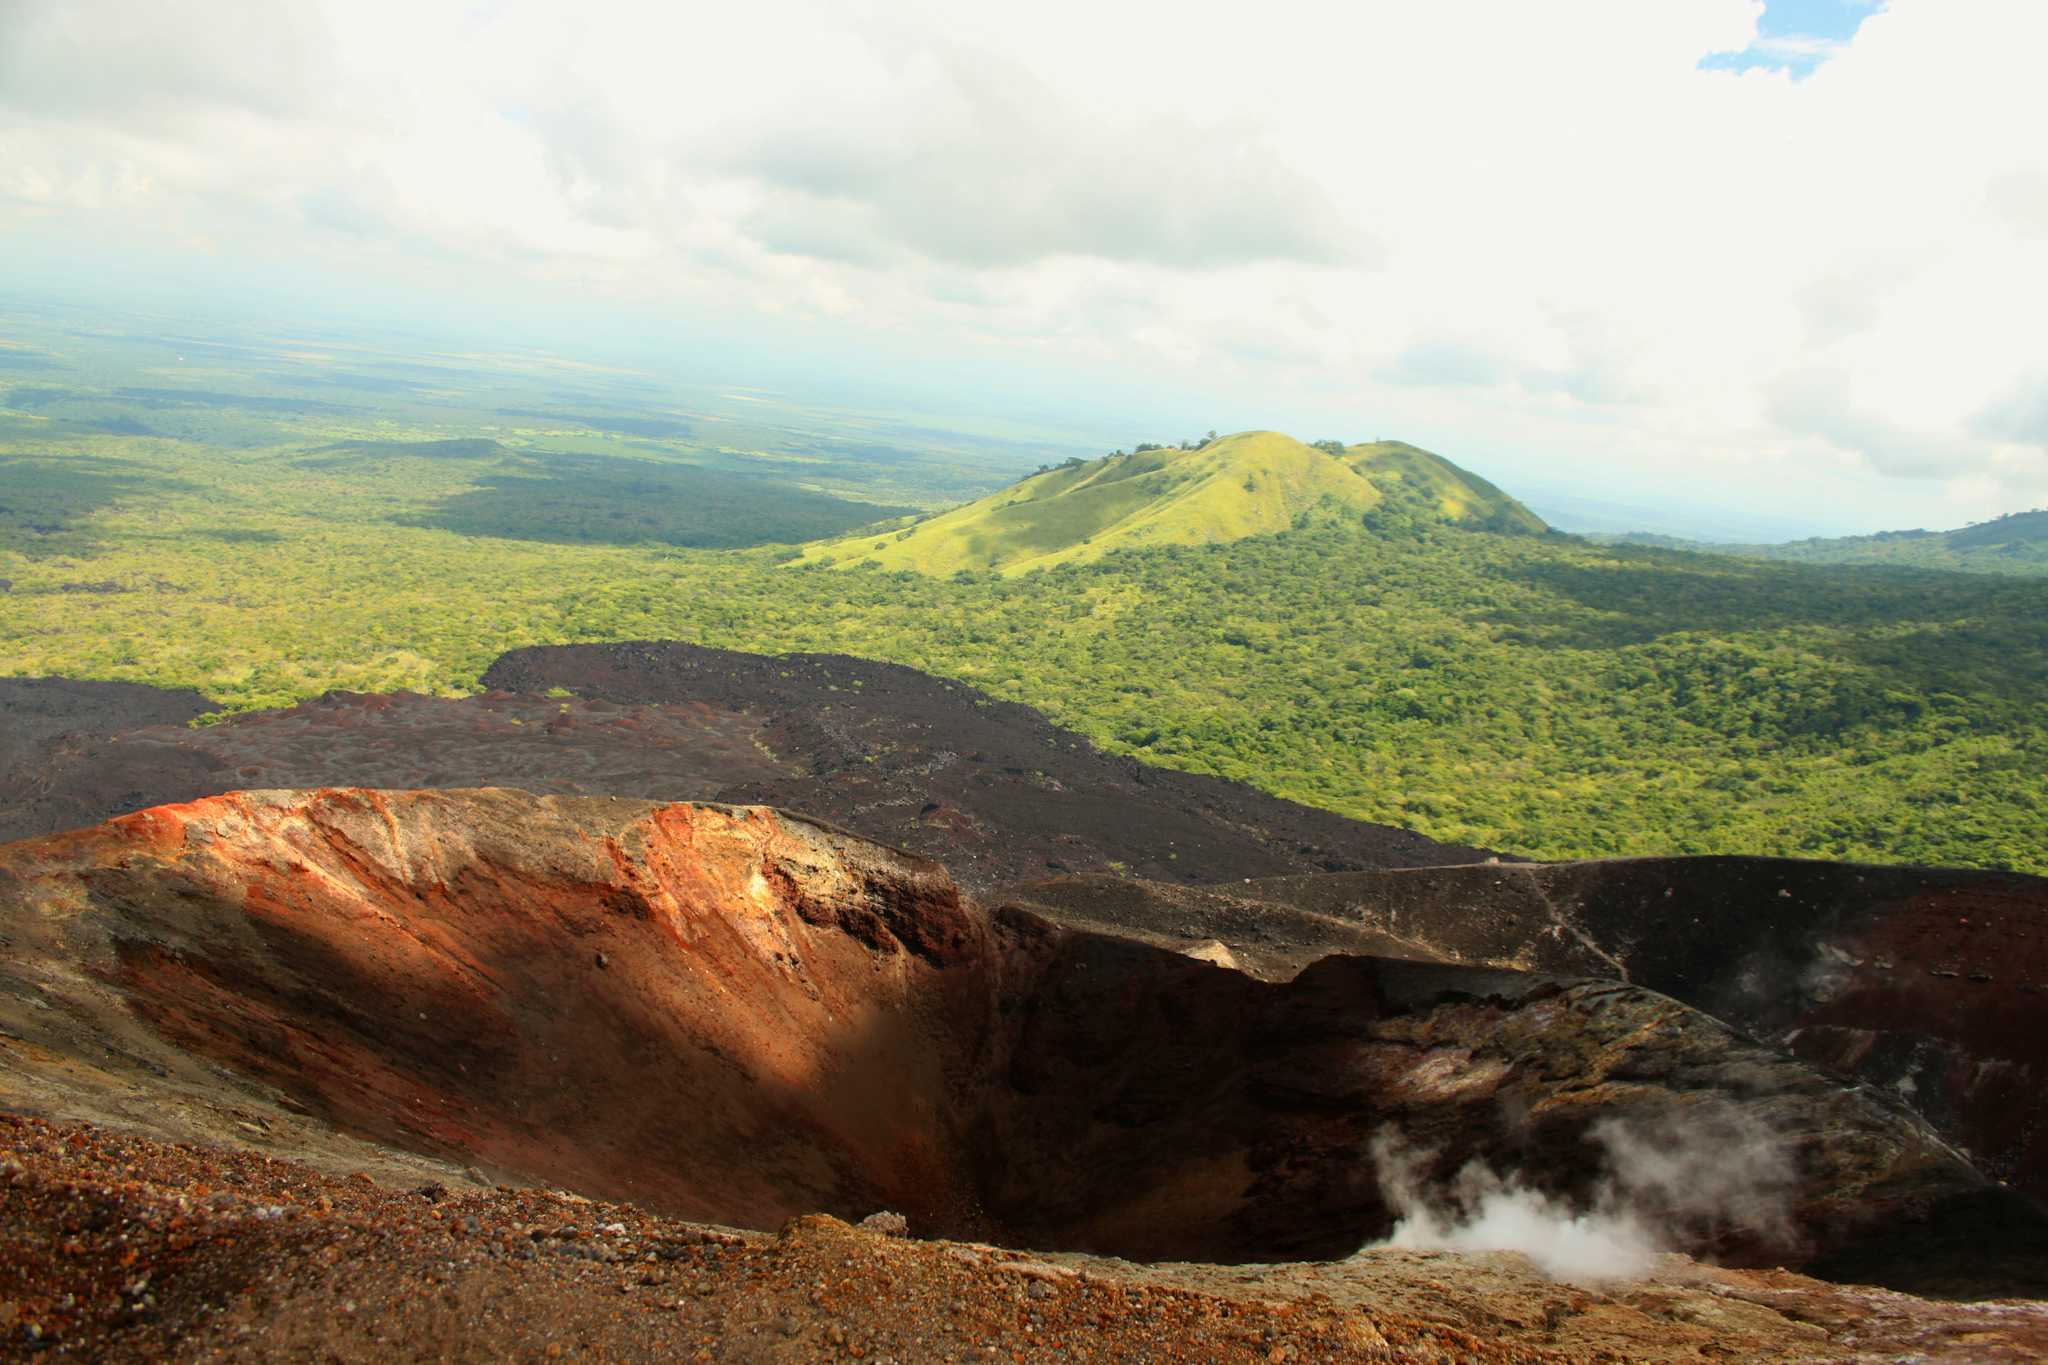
(117, 1247)
(114, 1247)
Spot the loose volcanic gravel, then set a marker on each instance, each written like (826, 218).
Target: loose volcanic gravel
(115, 1247)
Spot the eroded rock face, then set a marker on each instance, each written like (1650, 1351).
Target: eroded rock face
(737, 1015)
(714, 1011)
(1929, 984)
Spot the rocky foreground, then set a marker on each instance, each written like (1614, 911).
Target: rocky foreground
(117, 1247)
(340, 1071)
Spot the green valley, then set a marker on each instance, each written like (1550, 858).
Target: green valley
(1366, 628)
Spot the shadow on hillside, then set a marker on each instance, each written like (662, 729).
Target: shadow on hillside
(211, 398)
(658, 428)
(1655, 593)
(1934, 630)
(608, 500)
(346, 454)
(30, 397)
(45, 501)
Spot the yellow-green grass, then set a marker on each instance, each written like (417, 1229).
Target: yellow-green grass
(1454, 494)
(1251, 483)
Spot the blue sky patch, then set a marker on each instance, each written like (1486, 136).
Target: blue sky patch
(1797, 36)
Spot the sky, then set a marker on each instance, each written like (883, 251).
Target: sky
(1785, 259)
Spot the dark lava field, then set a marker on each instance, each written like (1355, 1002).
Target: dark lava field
(990, 788)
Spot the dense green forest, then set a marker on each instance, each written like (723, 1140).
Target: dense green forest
(1534, 693)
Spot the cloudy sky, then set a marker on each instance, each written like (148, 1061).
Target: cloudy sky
(1788, 257)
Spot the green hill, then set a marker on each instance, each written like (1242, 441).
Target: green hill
(1434, 488)
(2013, 544)
(1248, 484)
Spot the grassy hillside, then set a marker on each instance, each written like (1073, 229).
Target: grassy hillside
(1436, 489)
(2014, 544)
(1252, 483)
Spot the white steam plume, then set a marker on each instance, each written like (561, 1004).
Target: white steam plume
(1666, 1183)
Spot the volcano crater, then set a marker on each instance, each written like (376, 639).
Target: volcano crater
(740, 1016)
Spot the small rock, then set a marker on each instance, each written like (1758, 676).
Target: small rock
(888, 1223)
(1038, 1270)
(1213, 951)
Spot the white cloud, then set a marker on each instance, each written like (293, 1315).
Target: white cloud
(1540, 231)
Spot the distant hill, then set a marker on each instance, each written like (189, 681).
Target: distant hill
(1226, 489)
(2012, 544)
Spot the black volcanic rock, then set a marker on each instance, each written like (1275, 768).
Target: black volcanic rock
(992, 789)
(60, 764)
(1929, 984)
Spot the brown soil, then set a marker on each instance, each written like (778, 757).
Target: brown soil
(118, 1247)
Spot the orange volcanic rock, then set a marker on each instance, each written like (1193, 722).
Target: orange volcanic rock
(719, 1012)
(737, 1015)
